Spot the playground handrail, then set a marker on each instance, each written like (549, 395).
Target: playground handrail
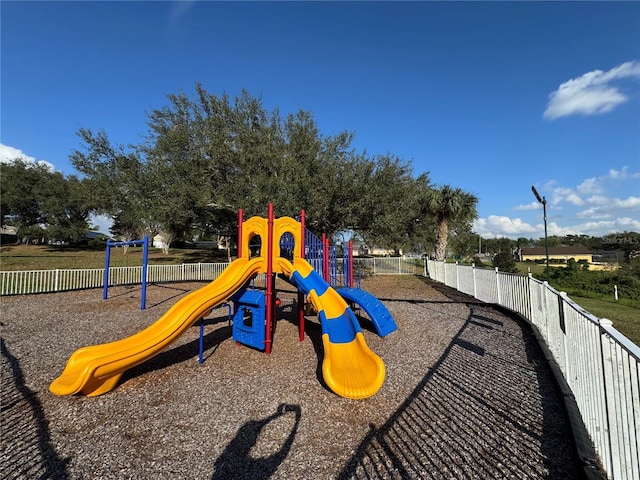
(599, 364)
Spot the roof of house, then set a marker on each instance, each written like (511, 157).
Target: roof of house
(557, 251)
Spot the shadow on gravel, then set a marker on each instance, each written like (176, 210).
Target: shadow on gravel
(236, 461)
(182, 353)
(24, 432)
(489, 408)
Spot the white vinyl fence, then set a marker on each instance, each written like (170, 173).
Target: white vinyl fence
(600, 365)
(388, 266)
(48, 281)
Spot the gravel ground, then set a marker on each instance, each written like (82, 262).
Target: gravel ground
(467, 394)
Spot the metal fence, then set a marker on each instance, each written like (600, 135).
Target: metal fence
(601, 366)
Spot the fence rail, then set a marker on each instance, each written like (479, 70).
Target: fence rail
(600, 365)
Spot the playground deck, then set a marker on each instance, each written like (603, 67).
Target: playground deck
(468, 394)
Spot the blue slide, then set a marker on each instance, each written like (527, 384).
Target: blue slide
(377, 312)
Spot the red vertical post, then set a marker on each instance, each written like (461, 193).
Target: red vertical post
(240, 220)
(350, 263)
(269, 279)
(325, 257)
(300, 294)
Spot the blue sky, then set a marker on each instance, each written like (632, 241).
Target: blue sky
(490, 97)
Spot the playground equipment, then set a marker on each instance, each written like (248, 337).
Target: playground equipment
(349, 367)
(145, 259)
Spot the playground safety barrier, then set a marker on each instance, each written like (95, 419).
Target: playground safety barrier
(600, 365)
(60, 280)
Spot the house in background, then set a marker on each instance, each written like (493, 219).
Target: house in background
(556, 254)
(8, 234)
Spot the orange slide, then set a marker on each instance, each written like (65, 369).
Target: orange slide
(97, 369)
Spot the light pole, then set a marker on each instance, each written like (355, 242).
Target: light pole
(543, 201)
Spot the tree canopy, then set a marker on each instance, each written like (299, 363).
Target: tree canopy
(43, 204)
(449, 205)
(205, 156)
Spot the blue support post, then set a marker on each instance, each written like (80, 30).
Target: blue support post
(145, 264)
(105, 280)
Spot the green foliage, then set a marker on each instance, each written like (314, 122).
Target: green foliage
(43, 204)
(505, 262)
(207, 156)
(477, 262)
(448, 205)
(598, 283)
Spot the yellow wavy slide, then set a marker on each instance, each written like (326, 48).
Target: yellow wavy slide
(96, 369)
(349, 366)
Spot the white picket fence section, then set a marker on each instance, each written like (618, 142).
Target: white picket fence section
(600, 365)
(388, 266)
(60, 280)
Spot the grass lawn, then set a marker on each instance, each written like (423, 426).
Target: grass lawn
(625, 318)
(48, 257)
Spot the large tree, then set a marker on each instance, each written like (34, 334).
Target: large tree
(447, 205)
(387, 206)
(42, 203)
(209, 155)
(116, 182)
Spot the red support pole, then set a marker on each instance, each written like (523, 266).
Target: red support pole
(240, 220)
(269, 279)
(350, 263)
(300, 294)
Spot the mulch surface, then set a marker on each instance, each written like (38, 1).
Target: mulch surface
(467, 394)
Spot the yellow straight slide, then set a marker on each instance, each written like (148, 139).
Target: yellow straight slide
(97, 369)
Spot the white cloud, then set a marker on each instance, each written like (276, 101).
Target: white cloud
(589, 186)
(9, 154)
(591, 93)
(601, 206)
(562, 194)
(500, 226)
(529, 206)
(623, 174)
(178, 10)
(496, 226)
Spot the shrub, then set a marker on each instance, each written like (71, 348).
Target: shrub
(505, 263)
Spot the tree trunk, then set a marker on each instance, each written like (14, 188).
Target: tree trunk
(441, 240)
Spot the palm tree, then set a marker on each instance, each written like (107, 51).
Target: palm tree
(448, 205)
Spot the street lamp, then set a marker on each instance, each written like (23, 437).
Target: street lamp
(543, 201)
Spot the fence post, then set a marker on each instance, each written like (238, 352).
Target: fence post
(473, 277)
(457, 277)
(57, 280)
(563, 326)
(608, 374)
(530, 290)
(498, 287)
